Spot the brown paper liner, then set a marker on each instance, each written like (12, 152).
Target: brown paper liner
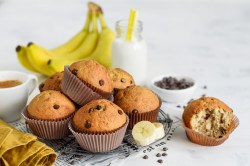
(147, 116)
(48, 129)
(201, 139)
(100, 142)
(79, 91)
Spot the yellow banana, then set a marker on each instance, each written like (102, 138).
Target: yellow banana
(38, 58)
(102, 53)
(23, 59)
(75, 41)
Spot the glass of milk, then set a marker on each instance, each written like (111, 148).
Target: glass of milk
(130, 56)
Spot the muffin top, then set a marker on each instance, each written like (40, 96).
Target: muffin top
(50, 105)
(99, 116)
(52, 83)
(137, 99)
(94, 74)
(121, 79)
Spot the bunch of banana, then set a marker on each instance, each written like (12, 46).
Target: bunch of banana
(89, 43)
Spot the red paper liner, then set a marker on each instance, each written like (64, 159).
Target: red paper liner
(79, 91)
(99, 142)
(48, 129)
(147, 116)
(201, 139)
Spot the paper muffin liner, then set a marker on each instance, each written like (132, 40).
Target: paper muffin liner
(147, 116)
(99, 142)
(79, 91)
(46, 129)
(201, 139)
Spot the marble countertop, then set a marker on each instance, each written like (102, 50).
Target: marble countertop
(206, 40)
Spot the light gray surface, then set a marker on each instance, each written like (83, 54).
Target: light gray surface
(206, 40)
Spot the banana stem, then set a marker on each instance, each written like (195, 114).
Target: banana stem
(102, 20)
(87, 22)
(94, 23)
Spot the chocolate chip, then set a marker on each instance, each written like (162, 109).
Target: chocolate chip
(145, 157)
(207, 116)
(165, 149)
(87, 124)
(178, 106)
(164, 154)
(41, 86)
(135, 111)
(56, 106)
(158, 155)
(220, 136)
(172, 83)
(204, 87)
(101, 82)
(72, 162)
(123, 80)
(204, 95)
(74, 71)
(160, 161)
(120, 112)
(98, 107)
(91, 110)
(131, 82)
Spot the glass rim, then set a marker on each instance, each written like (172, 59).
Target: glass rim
(123, 23)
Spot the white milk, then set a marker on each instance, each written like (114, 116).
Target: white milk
(130, 55)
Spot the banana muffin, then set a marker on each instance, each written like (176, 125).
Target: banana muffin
(99, 126)
(139, 103)
(50, 105)
(208, 116)
(85, 81)
(52, 83)
(48, 115)
(121, 79)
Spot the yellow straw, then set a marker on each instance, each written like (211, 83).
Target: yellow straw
(131, 24)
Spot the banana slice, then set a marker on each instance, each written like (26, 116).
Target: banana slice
(144, 133)
(159, 130)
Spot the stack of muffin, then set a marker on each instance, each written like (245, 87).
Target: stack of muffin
(94, 103)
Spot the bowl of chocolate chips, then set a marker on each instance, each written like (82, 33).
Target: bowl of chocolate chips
(173, 89)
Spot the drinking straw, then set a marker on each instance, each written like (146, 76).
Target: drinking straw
(131, 24)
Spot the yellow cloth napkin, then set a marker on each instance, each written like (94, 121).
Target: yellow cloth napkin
(23, 149)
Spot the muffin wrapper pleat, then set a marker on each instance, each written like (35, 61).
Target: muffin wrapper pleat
(201, 139)
(79, 91)
(47, 129)
(99, 142)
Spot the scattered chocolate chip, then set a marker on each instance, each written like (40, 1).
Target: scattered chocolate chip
(120, 112)
(91, 110)
(135, 111)
(172, 83)
(74, 71)
(145, 157)
(204, 95)
(123, 80)
(98, 107)
(101, 82)
(204, 87)
(158, 155)
(184, 106)
(72, 162)
(178, 106)
(63, 153)
(87, 124)
(165, 149)
(164, 154)
(160, 161)
(56, 106)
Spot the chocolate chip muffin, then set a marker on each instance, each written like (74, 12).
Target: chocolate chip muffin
(50, 105)
(99, 126)
(85, 81)
(121, 79)
(99, 116)
(139, 103)
(208, 116)
(48, 115)
(52, 83)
